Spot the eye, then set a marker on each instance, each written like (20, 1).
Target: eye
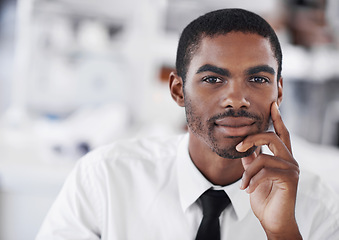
(259, 80)
(212, 79)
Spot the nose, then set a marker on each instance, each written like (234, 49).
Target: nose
(235, 96)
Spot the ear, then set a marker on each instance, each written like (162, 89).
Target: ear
(176, 87)
(280, 91)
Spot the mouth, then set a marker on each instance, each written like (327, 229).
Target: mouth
(234, 126)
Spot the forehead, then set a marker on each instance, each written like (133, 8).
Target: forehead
(234, 50)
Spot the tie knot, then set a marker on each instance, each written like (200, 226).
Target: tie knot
(214, 202)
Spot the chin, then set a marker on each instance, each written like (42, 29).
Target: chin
(233, 153)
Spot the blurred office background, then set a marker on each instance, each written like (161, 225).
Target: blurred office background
(78, 74)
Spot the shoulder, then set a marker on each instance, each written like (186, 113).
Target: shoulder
(317, 208)
(146, 150)
(312, 187)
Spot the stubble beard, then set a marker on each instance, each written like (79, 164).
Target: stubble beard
(195, 124)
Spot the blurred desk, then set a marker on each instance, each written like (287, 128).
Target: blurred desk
(28, 187)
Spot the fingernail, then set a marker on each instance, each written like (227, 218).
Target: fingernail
(276, 104)
(242, 185)
(238, 147)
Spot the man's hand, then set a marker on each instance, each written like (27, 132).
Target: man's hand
(272, 181)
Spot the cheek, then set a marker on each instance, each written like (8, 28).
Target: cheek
(265, 98)
(263, 107)
(201, 102)
(268, 112)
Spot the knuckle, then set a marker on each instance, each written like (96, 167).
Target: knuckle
(252, 183)
(293, 174)
(297, 167)
(295, 164)
(296, 173)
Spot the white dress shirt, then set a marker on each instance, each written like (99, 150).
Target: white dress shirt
(149, 189)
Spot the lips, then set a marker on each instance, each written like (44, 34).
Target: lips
(234, 126)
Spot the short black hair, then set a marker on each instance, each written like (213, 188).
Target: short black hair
(220, 22)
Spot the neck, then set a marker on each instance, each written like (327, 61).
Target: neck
(219, 171)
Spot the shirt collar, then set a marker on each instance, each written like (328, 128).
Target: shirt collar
(192, 184)
(239, 198)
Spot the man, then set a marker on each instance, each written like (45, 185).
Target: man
(228, 79)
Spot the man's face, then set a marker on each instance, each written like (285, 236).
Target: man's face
(230, 85)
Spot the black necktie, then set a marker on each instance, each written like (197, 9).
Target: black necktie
(213, 203)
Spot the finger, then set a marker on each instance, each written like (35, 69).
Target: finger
(280, 127)
(270, 139)
(246, 161)
(264, 161)
(273, 175)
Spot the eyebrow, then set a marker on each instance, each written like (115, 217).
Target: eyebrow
(261, 68)
(214, 69)
(226, 73)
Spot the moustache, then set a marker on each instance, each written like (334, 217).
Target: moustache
(235, 113)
